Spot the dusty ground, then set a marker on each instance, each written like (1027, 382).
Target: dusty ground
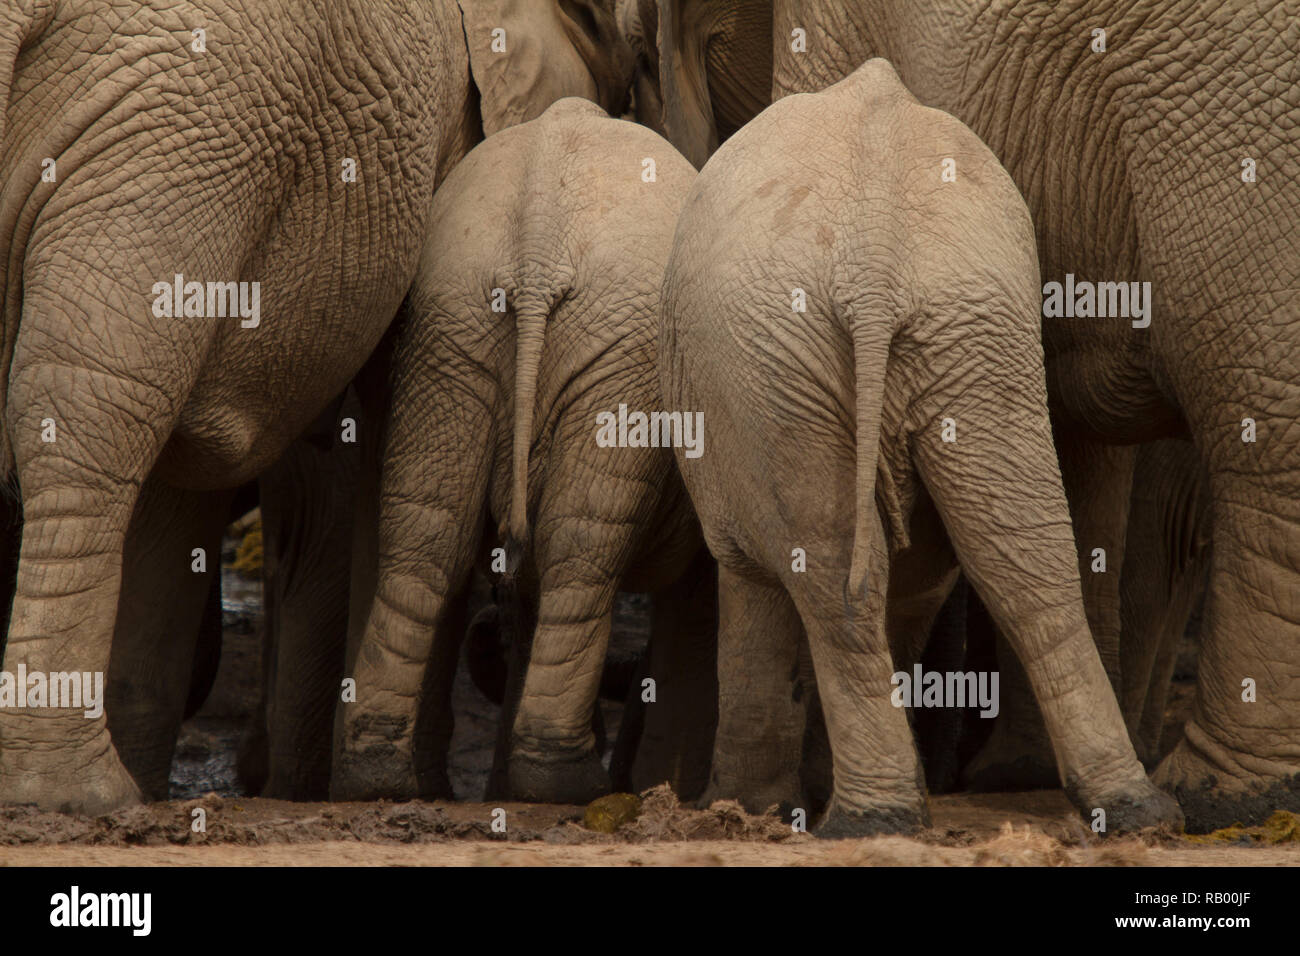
(1021, 829)
(1029, 829)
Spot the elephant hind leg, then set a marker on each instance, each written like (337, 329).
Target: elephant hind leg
(756, 751)
(878, 782)
(69, 577)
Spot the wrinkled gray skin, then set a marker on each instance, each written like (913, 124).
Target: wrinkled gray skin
(1131, 162)
(492, 442)
(704, 67)
(915, 288)
(151, 411)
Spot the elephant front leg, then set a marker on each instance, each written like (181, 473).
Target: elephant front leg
(1239, 758)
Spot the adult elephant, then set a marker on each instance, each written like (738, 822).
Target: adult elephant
(704, 68)
(292, 151)
(1151, 142)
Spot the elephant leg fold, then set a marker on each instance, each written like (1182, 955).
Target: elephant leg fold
(756, 751)
(159, 614)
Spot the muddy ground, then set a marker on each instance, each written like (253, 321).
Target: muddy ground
(1019, 829)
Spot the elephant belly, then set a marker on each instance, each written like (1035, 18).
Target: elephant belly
(263, 385)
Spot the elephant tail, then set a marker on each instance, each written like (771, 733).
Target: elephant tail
(872, 330)
(532, 309)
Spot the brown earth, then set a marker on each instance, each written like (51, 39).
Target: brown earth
(1015, 829)
(1024, 829)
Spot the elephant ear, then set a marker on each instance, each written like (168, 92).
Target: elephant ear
(683, 81)
(526, 54)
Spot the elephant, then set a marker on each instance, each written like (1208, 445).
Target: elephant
(861, 335)
(202, 251)
(530, 332)
(1148, 139)
(703, 67)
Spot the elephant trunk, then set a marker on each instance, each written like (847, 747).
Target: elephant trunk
(688, 113)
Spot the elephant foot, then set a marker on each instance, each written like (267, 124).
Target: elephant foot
(66, 764)
(373, 773)
(1129, 808)
(376, 761)
(785, 795)
(1213, 797)
(570, 778)
(844, 823)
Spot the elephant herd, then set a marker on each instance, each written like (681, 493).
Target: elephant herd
(877, 336)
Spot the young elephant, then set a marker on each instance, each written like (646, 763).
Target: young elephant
(852, 302)
(534, 313)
